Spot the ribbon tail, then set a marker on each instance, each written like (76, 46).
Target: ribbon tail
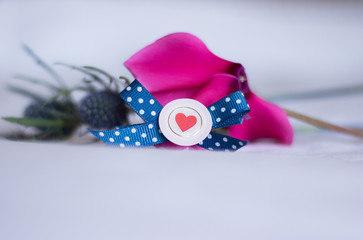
(219, 142)
(140, 135)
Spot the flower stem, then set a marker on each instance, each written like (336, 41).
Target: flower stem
(323, 124)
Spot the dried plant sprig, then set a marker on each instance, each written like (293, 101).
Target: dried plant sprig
(25, 92)
(323, 124)
(86, 71)
(39, 82)
(44, 65)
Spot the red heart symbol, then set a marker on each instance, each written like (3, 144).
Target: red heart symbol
(185, 122)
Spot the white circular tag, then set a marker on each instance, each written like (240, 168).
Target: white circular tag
(185, 122)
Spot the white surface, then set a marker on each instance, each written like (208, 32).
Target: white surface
(312, 190)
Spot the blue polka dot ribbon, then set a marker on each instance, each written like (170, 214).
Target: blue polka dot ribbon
(226, 112)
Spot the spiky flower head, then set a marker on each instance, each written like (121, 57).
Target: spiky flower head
(54, 118)
(103, 110)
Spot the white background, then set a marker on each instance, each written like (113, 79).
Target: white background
(311, 190)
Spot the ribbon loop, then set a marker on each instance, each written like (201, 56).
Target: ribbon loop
(141, 101)
(229, 110)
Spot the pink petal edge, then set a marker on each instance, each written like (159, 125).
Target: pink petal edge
(267, 121)
(180, 65)
(177, 61)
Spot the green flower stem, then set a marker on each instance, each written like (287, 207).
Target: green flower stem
(127, 81)
(39, 122)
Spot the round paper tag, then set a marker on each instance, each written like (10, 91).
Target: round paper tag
(185, 122)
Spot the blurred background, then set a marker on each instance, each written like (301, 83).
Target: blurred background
(303, 55)
(293, 51)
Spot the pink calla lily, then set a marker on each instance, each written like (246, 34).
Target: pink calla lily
(180, 65)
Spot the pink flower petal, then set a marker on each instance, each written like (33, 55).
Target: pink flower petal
(177, 61)
(207, 94)
(217, 87)
(179, 65)
(167, 96)
(267, 121)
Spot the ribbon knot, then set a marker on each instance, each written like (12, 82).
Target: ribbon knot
(225, 112)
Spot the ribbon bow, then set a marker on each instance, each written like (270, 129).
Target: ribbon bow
(226, 112)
